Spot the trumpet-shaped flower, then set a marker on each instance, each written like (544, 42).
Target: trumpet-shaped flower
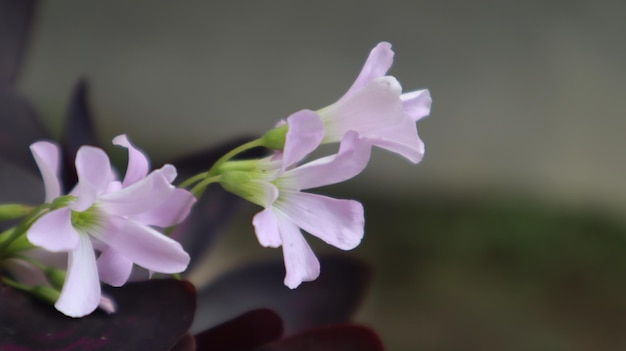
(276, 183)
(111, 216)
(375, 107)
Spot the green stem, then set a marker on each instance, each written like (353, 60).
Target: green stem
(232, 153)
(16, 232)
(194, 179)
(199, 188)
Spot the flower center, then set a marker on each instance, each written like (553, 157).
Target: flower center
(86, 220)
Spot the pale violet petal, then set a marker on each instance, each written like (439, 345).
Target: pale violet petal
(142, 196)
(377, 64)
(170, 212)
(401, 139)
(107, 304)
(301, 265)
(305, 133)
(375, 106)
(81, 291)
(352, 158)
(54, 231)
(144, 246)
(138, 164)
(24, 272)
(47, 157)
(417, 104)
(94, 174)
(113, 268)
(266, 228)
(337, 222)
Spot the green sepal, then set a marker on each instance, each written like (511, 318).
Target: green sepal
(275, 139)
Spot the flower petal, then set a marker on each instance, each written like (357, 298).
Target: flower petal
(377, 64)
(113, 268)
(170, 212)
(138, 164)
(304, 135)
(402, 139)
(144, 246)
(300, 261)
(47, 157)
(81, 291)
(54, 231)
(369, 109)
(94, 174)
(266, 228)
(417, 104)
(352, 158)
(141, 196)
(338, 222)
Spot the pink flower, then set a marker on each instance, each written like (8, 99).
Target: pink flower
(276, 183)
(375, 107)
(111, 216)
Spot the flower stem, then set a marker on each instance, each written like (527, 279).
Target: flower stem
(232, 153)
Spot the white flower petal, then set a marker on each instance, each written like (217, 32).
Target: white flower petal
(367, 110)
(54, 231)
(47, 156)
(352, 158)
(266, 228)
(81, 291)
(338, 222)
(170, 212)
(305, 133)
(300, 261)
(138, 164)
(144, 246)
(417, 104)
(94, 174)
(377, 64)
(402, 139)
(113, 268)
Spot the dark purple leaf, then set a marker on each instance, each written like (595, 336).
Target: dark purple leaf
(152, 315)
(79, 130)
(332, 338)
(245, 332)
(16, 18)
(332, 298)
(20, 128)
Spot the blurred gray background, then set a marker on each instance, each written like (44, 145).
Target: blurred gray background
(528, 96)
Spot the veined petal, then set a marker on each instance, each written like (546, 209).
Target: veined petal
(141, 196)
(338, 222)
(305, 133)
(260, 192)
(54, 231)
(138, 164)
(81, 291)
(266, 228)
(170, 212)
(113, 268)
(47, 157)
(402, 139)
(377, 64)
(416, 104)
(300, 261)
(144, 246)
(352, 158)
(375, 106)
(94, 174)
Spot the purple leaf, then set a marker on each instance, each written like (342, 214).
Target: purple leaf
(16, 18)
(245, 332)
(20, 128)
(152, 315)
(332, 298)
(333, 338)
(78, 131)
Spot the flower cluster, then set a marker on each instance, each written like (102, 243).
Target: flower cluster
(107, 224)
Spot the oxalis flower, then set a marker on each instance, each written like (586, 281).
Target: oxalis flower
(275, 183)
(111, 216)
(375, 107)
